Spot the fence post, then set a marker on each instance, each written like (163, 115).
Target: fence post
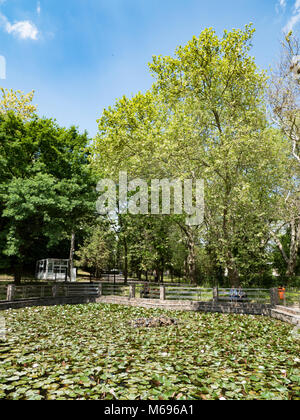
(54, 291)
(162, 292)
(132, 291)
(24, 292)
(100, 290)
(274, 297)
(215, 294)
(10, 292)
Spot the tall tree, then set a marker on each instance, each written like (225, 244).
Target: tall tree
(219, 132)
(17, 102)
(284, 97)
(95, 254)
(46, 188)
(205, 118)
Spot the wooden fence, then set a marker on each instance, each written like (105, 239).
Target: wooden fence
(154, 291)
(187, 293)
(169, 292)
(25, 292)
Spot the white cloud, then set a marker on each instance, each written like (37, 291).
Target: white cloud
(22, 29)
(294, 19)
(38, 8)
(282, 3)
(280, 6)
(297, 6)
(292, 23)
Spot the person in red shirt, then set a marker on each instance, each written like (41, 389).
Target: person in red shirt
(281, 293)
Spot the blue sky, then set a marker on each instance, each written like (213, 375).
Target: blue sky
(81, 55)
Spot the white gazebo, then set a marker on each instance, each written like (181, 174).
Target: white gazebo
(53, 269)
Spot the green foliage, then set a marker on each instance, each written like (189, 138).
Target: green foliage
(219, 132)
(127, 137)
(42, 206)
(93, 352)
(18, 103)
(205, 118)
(94, 253)
(46, 187)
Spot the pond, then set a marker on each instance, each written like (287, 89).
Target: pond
(93, 352)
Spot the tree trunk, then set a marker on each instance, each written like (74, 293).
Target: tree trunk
(291, 259)
(162, 274)
(233, 276)
(190, 262)
(294, 248)
(233, 273)
(125, 262)
(191, 259)
(18, 274)
(72, 251)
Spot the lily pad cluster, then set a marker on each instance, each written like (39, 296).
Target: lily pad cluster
(162, 321)
(92, 352)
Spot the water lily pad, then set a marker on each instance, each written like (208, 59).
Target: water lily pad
(92, 352)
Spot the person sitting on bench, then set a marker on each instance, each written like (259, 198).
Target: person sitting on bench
(145, 292)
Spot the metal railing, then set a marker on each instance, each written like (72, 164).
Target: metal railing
(261, 296)
(291, 298)
(187, 293)
(194, 294)
(162, 292)
(110, 289)
(57, 290)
